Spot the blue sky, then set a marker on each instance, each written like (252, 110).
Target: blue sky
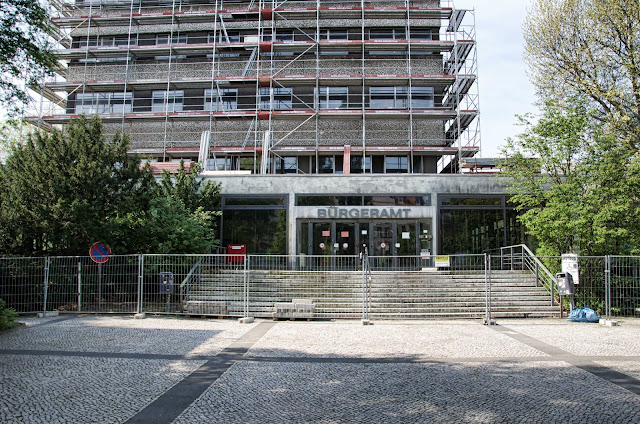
(505, 89)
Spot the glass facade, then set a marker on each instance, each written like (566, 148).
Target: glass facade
(260, 223)
(478, 224)
(464, 225)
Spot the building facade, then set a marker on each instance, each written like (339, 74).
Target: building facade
(323, 120)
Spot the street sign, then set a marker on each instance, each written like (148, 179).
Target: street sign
(99, 252)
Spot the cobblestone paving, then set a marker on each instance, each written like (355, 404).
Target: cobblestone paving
(387, 340)
(583, 339)
(50, 389)
(630, 368)
(107, 369)
(126, 335)
(535, 392)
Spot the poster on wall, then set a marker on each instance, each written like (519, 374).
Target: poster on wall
(570, 265)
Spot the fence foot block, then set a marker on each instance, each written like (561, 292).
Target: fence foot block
(366, 322)
(140, 315)
(489, 321)
(47, 314)
(246, 320)
(608, 322)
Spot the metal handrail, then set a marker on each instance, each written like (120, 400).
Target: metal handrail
(187, 283)
(533, 264)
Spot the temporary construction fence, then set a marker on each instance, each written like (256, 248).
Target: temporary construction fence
(305, 286)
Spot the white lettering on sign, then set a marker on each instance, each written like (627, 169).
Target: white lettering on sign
(381, 213)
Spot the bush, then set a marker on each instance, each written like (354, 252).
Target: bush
(8, 317)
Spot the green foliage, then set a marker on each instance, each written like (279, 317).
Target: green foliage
(8, 317)
(578, 189)
(61, 192)
(590, 49)
(167, 227)
(25, 50)
(279, 245)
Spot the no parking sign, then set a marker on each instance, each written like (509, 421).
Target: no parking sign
(100, 252)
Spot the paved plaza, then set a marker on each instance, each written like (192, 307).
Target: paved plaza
(116, 369)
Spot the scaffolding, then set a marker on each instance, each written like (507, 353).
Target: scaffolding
(249, 85)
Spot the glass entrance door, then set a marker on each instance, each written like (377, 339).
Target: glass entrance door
(322, 247)
(346, 240)
(406, 245)
(382, 244)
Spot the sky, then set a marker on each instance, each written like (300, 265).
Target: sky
(505, 90)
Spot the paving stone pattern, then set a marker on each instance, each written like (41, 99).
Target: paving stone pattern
(405, 393)
(122, 334)
(388, 340)
(50, 389)
(116, 369)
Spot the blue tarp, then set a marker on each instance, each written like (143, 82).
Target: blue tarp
(583, 315)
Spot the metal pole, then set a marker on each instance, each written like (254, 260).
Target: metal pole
(607, 286)
(79, 286)
(140, 279)
(99, 287)
(537, 276)
(511, 250)
(47, 264)
(246, 287)
(487, 274)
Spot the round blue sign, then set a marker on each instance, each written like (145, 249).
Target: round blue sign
(100, 252)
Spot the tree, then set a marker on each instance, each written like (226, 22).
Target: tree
(191, 189)
(589, 49)
(182, 217)
(25, 50)
(60, 192)
(577, 188)
(166, 227)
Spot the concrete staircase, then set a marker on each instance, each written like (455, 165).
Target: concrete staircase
(393, 295)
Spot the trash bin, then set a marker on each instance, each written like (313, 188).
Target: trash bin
(565, 284)
(166, 282)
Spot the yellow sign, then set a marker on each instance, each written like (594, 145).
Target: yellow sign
(442, 261)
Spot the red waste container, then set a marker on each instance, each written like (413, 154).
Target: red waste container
(237, 252)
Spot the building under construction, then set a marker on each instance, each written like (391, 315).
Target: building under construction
(256, 88)
(276, 87)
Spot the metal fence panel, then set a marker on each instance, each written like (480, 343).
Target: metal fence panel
(333, 284)
(625, 286)
(77, 284)
(193, 284)
(22, 283)
(409, 287)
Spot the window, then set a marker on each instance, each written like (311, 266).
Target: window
(421, 34)
(333, 97)
(167, 101)
(111, 41)
(222, 99)
(287, 165)
(326, 165)
(330, 164)
(284, 35)
(360, 165)
(388, 97)
(162, 39)
(333, 34)
(387, 34)
(396, 164)
(282, 98)
(225, 37)
(90, 103)
(422, 97)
